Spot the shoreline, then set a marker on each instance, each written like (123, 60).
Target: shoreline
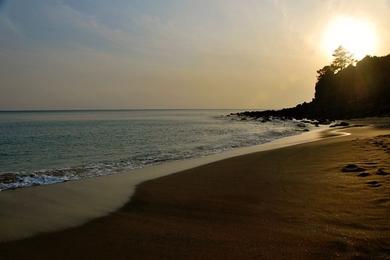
(70, 204)
(293, 202)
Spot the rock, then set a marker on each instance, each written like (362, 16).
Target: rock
(382, 172)
(324, 122)
(265, 119)
(302, 125)
(343, 124)
(352, 168)
(7, 177)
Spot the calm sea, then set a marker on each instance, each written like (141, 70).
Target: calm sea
(39, 148)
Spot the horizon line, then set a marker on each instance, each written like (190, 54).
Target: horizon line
(120, 109)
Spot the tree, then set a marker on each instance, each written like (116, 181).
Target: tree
(342, 59)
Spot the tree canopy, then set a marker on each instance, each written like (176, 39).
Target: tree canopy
(342, 58)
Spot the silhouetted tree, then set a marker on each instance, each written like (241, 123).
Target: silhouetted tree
(342, 59)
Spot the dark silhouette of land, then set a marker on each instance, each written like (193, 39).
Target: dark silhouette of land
(345, 89)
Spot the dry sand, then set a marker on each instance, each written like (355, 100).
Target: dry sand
(293, 202)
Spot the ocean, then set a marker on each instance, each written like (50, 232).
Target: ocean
(47, 147)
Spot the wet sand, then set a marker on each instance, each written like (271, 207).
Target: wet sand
(47, 208)
(293, 202)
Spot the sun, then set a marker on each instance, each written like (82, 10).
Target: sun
(355, 35)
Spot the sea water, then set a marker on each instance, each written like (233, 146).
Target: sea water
(46, 147)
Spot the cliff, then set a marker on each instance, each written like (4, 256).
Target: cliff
(359, 90)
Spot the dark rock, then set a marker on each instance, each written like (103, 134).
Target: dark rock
(342, 124)
(7, 177)
(352, 168)
(265, 119)
(324, 122)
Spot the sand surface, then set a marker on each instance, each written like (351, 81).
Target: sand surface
(41, 209)
(293, 202)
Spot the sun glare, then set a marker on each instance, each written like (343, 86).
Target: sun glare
(357, 36)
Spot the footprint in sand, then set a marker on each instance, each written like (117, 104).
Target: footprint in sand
(382, 172)
(363, 174)
(374, 184)
(370, 163)
(352, 168)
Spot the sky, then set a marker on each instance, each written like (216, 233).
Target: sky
(84, 54)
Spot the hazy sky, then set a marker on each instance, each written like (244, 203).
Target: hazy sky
(169, 53)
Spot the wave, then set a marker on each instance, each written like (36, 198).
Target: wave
(271, 130)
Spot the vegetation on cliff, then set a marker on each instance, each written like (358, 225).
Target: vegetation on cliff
(345, 89)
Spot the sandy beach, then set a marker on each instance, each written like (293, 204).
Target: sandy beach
(289, 203)
(194, 130)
